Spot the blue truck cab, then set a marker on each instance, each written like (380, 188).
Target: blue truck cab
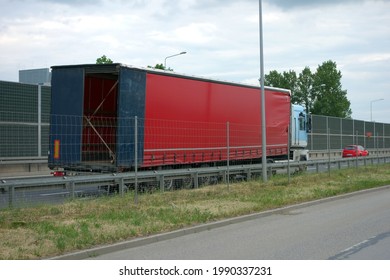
(299, 128)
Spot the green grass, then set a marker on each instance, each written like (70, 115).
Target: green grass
(41, 232)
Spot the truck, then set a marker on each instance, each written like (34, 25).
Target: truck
(116, 117)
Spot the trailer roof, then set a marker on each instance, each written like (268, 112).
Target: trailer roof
(114, 69)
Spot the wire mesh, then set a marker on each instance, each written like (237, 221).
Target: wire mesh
(343, 132)
(24, 120)
(109, 142)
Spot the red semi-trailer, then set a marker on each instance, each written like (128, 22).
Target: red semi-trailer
(181, 119)
(207, 106)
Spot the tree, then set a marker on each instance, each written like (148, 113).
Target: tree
(286, 80)
(331, 100)
(274, 79)
(305, 93)
(160, 66)
(103, 60)
(320, 92)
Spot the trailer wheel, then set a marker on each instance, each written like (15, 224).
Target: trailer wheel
(204, 180)
(302, 168)
(303, 158)
(187, 183)
(109, 189)
(168, 184)
(129, 186)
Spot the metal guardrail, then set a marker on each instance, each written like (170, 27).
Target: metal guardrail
(13, 166)
(16, 165)
(19, 160)
(337, 153)
(123, 181)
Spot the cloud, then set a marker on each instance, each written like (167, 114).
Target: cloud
(71, 2)
(221, 37)
(296, 4)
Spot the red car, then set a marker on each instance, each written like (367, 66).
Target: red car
(355, 150)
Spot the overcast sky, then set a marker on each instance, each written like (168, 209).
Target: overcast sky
(221, 38)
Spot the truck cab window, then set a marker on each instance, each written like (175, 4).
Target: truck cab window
(301, 121)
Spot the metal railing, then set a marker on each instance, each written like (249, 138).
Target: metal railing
(45, 190)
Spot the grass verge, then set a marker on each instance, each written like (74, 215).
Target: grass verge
(41, 232)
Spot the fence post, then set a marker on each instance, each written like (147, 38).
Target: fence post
(377, 148)
(341, 133)
(288, 152)
(311, 132)
(228, 154)
(136, 159)
(375, 136)
(328, 138)
(39, 121)
(364, 133)
(357, 141)
(384, 135)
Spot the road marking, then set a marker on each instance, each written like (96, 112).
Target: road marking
(360, 246)
(58, 193)
(51, 194)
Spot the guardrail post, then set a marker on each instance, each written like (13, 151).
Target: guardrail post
(270, 172)
(196, 180)
(11, 195)
(122, 186)
(224, 177)
(248, 174)
(161, 180)
(72, 189)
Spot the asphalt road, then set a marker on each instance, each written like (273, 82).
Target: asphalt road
(25, 197)
(350, 227)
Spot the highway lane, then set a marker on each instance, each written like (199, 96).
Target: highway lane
(352, 227)
(55, 194)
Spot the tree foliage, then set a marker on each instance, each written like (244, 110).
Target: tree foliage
(332, 99)
(305, 94)
(104, 60)
(161, 67)
(320, 92)
(282, 80)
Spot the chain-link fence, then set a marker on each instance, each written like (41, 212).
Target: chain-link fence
(25, 120)
(108, 144)
(144, 154)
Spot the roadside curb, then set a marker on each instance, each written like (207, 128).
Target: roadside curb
(96, 251)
